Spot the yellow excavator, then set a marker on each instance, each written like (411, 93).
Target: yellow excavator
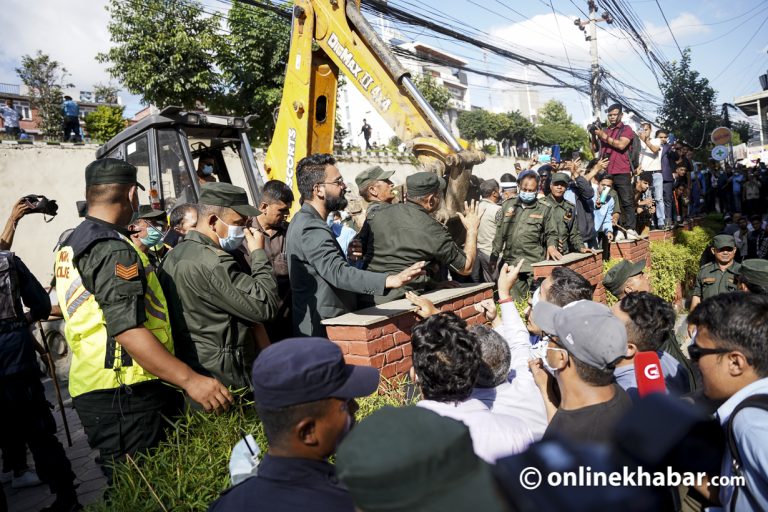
(326, 36)
(329, 35)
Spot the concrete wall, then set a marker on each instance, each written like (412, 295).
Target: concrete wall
(57, 171)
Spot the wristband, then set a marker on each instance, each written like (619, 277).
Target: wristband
(508, 299)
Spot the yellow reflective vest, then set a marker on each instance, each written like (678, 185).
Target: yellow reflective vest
(86, 332)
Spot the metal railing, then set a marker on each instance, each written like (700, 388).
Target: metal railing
(10, 89)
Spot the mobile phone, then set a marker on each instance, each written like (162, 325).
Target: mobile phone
(575, 155)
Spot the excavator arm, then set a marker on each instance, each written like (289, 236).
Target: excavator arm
(328, 35)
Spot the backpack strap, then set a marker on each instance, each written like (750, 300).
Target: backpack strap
(758, 402)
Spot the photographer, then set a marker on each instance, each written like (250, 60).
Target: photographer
(616, 144)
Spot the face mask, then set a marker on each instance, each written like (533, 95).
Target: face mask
(539, 351)
(527, 197)
(154, 237)
(207, 170)
(234, 239)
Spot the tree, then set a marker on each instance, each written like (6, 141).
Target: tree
(688, 109)
(105, 122)
(477, 124)
(742, 130)
(44, 77)
(164, 50)
(105, 93)
(513, 126)
(556, 127)
(253, 64)
(436, 95)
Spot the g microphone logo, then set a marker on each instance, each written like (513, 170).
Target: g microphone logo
(652, 372)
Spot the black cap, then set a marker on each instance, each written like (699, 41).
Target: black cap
(410, 458)
(423, 183)
(149, 213)
(109, 171)
(301, 370)
(228, 196)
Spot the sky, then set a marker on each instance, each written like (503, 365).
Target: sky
(728, 40)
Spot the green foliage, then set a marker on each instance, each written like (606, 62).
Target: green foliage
(394, 143)
(105, 93)
(477, 124)
(105, 122)
(44, 77)
(689, 109)
(435, 94)
(671, 265)
(556, 127)
(696, 241)
(191, 468)
(164, 51)
(513, 126)
(741, 132)
(489, 149)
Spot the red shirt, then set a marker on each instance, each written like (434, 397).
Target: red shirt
(618, 160)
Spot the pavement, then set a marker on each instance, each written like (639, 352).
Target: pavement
(89, 479)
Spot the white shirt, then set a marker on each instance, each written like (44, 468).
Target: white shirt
(649, 160)
(519, 396)
(493, 435)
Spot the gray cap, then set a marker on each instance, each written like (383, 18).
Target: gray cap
(587, 330)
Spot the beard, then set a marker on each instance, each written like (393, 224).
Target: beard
(334, 204)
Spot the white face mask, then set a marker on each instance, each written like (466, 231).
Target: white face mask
(234, 239)
(539, 351)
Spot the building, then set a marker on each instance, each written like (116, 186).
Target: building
(30, 119)
(755, 106)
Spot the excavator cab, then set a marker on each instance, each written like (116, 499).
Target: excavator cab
(169, 148)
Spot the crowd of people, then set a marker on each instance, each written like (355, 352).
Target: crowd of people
(222, 296)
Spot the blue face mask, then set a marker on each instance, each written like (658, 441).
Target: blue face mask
(207, 170)
(154, 237)
(527, 197)
(234, 239)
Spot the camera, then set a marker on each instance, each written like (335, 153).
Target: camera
(41, 204)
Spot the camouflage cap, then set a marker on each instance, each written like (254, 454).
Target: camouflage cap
(108, 171)
(721, 241)
(371, 175)
(423, 183)
(616, 277)
(754, 271)
(228, 196)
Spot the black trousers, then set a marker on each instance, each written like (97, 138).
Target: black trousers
(28, 420)
(72, 126)
(622, 183)
(669, 200)
(127, 420)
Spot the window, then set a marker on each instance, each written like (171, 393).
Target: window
(137, 153)
(24, 110)
(175, 178)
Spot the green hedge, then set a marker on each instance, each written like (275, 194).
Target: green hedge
(189, 470)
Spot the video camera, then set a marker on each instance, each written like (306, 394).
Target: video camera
(41, 204)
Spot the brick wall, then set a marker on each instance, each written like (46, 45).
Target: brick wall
(381, 336)
(588, 265)
(633, 250)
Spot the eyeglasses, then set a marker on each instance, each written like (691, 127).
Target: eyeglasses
(339, 182)
(696, 352)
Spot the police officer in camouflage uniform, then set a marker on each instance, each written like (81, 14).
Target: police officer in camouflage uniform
(213, 303)
(117, 331)
(526, 230)
(718, 276)
(406, 233)
(564, 215)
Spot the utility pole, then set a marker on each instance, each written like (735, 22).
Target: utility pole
(593, 20)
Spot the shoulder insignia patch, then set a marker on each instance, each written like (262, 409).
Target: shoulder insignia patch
(536, 216)
(127, 273)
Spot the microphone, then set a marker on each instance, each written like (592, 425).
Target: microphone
(648, 374)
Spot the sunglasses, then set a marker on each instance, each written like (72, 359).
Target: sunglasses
(696, 352)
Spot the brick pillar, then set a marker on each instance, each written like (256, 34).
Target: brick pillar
(633, 250)
(589, 265)
(381, 336)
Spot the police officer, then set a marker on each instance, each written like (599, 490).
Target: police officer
(406, 233)
(753, 276)
(626, 277)
(375, 186)
(27, 420)
(214, 305)
(120, 338)
(564, 215)
(718, 276)
(148, 229)
(526, 230)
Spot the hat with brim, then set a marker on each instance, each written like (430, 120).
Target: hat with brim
(227, 196)
(410, 458)
(111, 171)
(616, 277)
(148, 213)
(372, 175)
(560, 177)
(754, 271)
(302, 370)
(721, 241)
(423, 183)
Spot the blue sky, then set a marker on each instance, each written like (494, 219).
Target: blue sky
(716, 31)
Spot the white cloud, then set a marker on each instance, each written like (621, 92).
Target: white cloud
(70, 32)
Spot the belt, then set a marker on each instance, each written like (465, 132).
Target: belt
(10, 326)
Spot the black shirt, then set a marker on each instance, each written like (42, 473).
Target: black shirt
(286, 484)
(594, 423)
